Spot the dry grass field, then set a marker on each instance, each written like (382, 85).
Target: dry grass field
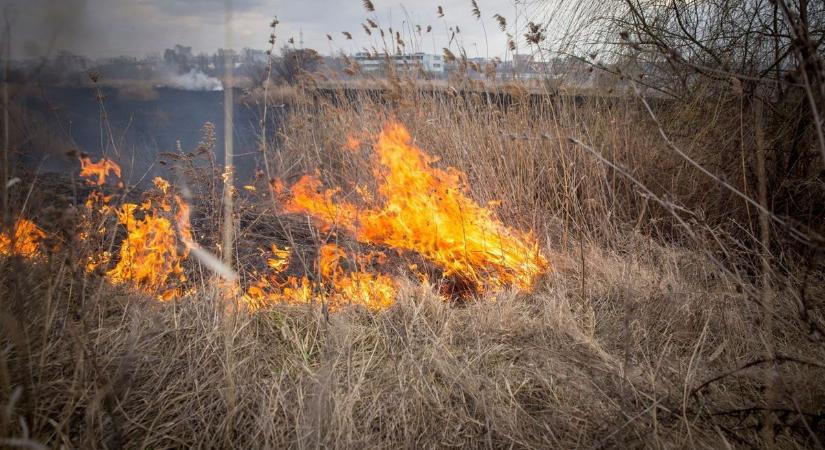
(646, 331)
(417, 268)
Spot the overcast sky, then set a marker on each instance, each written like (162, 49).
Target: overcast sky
(139, 27)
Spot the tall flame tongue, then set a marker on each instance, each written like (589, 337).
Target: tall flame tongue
(426, 210)
(149, 256)
(149, 259)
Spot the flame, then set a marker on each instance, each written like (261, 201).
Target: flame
(426, 210)
(182, 219)
(97, 201)
(415, 209)
(91, 230)
(308, 197)
(149, 256)
(149, 259)
(93, 262)
(24, 242)
(273, 287)
(337, 286)
(280, 260)
(99, 170)
(375, 291)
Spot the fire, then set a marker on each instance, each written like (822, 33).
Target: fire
(276, 288)
(96, 173)
(92, 231)
(25, 241)
(337, 285)
(428, 211)
(375, 291)
(280, 260)
(182, 219)
(149, 256)
(414, 209)
(149, 259)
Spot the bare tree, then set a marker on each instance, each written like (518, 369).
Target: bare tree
(295, 62)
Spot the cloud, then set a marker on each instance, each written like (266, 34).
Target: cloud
(332, 17)
(138, 27)
(206, 7)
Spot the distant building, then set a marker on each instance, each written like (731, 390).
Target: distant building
(253, 56)
(432, 64)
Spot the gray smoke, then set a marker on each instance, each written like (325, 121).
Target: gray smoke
(43, 27)
(194, 80)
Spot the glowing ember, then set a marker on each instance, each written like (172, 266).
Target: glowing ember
(96, 173)
(426, 210)
(24, 242)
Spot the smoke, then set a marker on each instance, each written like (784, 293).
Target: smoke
(195, 80)
(41, 27)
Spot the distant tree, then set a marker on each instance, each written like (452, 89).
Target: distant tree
(224, 57)
(124, 68)
(202, 62)
(179, 57)
(297, 62)
(69, 62)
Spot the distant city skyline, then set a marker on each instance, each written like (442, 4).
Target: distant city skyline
(107, 28)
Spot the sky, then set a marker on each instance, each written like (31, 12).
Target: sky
(105, 28)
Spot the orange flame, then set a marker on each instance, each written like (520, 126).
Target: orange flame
(269, 289)
(281, 259)
(149, 259)
(149, 256)
(99, 170)
(415, 208)
(337, 286)
(375, 291)
(24, 242)
(426, 210)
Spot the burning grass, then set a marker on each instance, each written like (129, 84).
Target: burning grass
(416, 208)
(388, 296)
(424, 211)
(149, 256)
(24, 240)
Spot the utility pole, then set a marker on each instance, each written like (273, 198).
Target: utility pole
(228, 134)
(6, 137)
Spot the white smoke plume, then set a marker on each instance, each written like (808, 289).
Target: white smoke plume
(195, 80)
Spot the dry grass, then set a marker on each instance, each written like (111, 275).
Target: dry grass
(646, 334)
(614, 367)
